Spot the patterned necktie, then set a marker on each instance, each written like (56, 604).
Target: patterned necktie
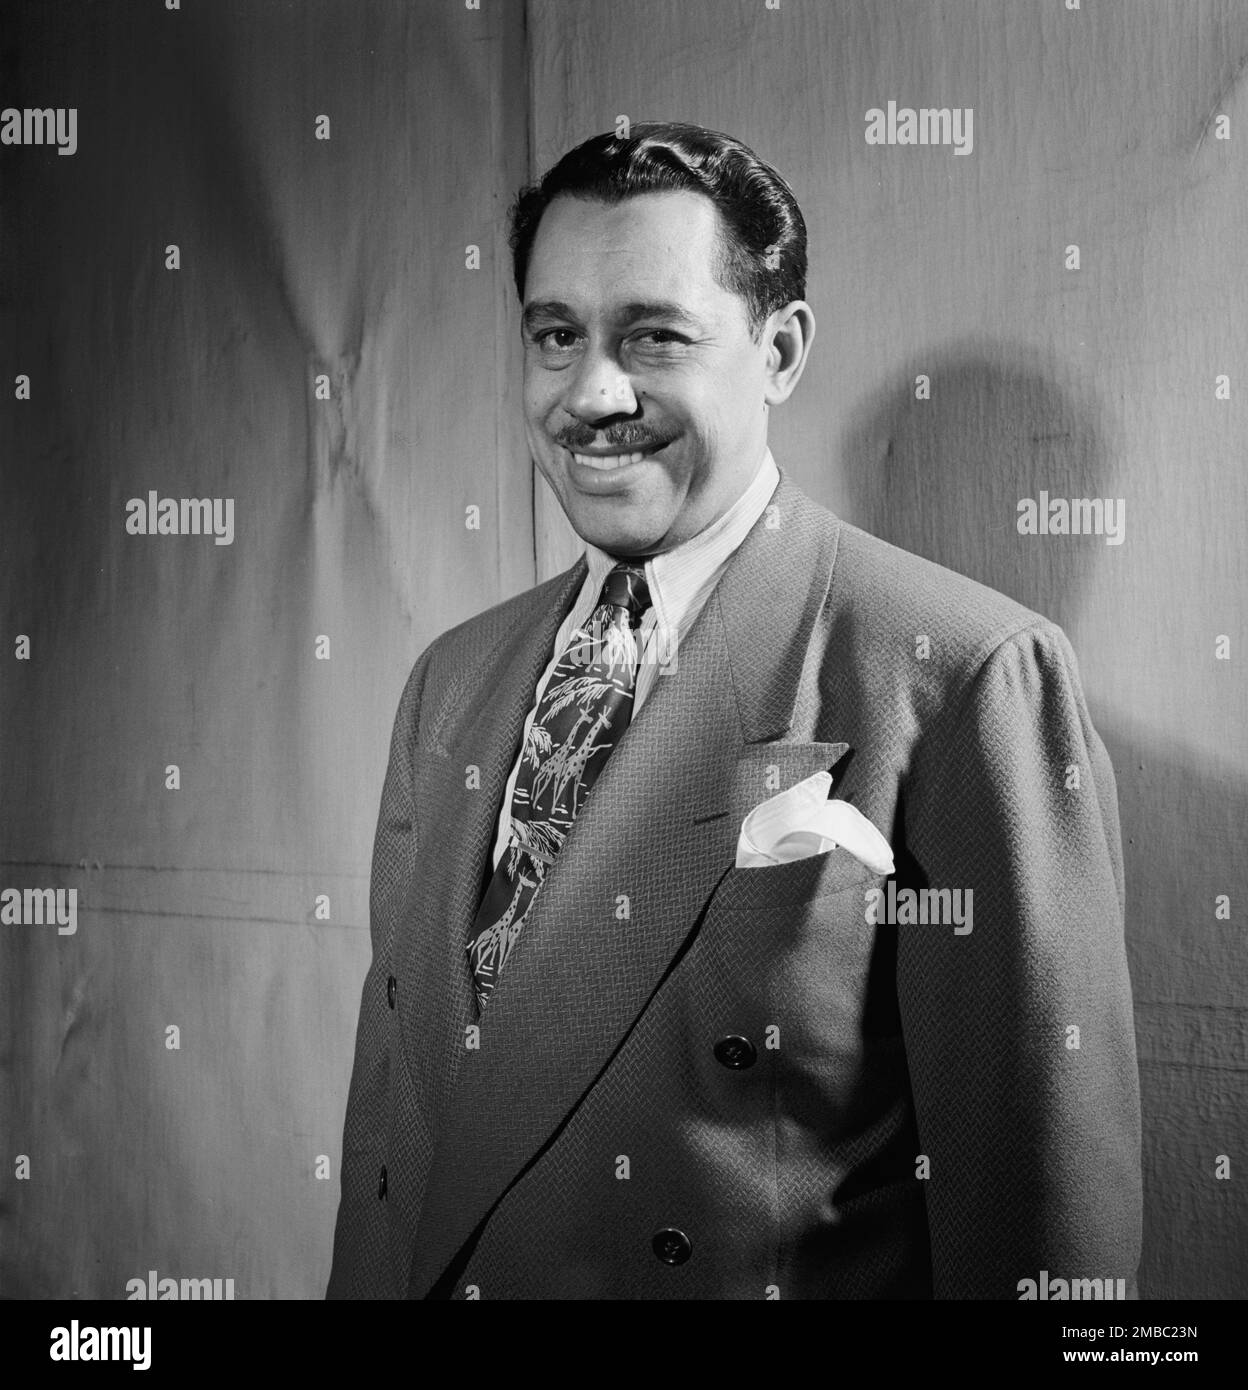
(583, 713)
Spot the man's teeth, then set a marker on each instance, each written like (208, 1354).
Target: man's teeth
(608, 460)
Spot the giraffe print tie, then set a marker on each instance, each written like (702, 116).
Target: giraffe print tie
(583, 713)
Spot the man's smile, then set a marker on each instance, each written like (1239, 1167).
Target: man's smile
(607, 469)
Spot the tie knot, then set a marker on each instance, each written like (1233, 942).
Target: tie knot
(626, 587)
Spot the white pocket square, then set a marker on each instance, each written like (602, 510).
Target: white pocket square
(802, 821)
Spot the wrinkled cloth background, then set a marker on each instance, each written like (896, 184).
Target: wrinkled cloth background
(349, 258)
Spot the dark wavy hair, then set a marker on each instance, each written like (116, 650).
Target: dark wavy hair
(762, 233)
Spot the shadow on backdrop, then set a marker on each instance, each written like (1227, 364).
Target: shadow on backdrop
(943, 478)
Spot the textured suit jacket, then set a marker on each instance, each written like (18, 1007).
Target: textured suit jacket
(923, 1112)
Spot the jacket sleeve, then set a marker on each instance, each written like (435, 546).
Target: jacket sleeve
(1019, 1033)
(361, 1259)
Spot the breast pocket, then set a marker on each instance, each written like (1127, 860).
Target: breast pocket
(800, 880)
(789, 947)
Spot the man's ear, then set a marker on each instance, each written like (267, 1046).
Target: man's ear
(787, 334)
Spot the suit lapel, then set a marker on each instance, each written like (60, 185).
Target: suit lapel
(629, 887)
(456, 838)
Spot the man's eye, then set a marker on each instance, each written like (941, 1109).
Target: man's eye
(547, 339)
(661, 337)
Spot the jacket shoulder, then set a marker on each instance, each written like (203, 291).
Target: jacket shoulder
(484, 630)
(450, 671)
(899, 598)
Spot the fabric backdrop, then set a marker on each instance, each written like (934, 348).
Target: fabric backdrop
(333, 346)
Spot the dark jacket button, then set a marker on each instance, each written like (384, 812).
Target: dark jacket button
(381, 1185)
(391, 986)
(673, 1247)
(735, 1052)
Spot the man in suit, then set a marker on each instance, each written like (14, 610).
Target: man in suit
(596, 1058)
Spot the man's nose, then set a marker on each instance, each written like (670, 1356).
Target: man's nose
(599, 390)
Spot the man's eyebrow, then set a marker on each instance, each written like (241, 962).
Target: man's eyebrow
(637, 310)
(659, 309)
(545, 311)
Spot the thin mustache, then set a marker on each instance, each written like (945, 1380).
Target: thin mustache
(629, 445)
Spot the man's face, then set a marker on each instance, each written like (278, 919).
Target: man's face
(644, 393)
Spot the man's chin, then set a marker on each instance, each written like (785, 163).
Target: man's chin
(623, 515)
(625, 533)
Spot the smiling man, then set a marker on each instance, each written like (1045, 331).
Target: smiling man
(636, 1025)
